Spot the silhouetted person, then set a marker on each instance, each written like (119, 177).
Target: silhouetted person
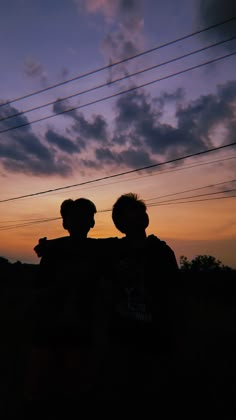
(61, 254)
(67, 338)
(140, 331)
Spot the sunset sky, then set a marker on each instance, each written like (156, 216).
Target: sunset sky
(145, 92)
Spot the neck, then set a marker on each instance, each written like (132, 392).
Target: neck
(136, 236)
(78, 236)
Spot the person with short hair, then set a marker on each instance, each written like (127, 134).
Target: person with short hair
(78, 217)
(66, 337)
(140, 326)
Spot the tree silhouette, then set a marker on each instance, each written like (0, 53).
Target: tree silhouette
(202, 263)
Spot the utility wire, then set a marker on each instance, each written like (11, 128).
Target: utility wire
(157, 173)
(143, 176)
(120, 174)
(17, 114)
(35, 220)
(26, 220)
(194, 196)
(191, 201)
(119, 93)
(193, 189)
(9, 227)
(183, 168)
(29, 223)
(120, 61)
(154, 174)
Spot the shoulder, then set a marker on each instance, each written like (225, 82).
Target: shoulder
(166, 252)
(155, 242)
(102, 242)
(107, 246)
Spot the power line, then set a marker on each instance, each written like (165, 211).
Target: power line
(27, 221)
(120, 61)
(192, 201)
(160, 173)
(131, 179)
(190, 166)
(194, 196)
(120, 93)
(34, 222)
(193, 189)
(17, 114)
(120, 174)
(9, 227)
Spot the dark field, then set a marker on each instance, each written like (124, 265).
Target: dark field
(199, 326)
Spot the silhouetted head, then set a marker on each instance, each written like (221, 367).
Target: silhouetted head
(129, 215)
(78, 216)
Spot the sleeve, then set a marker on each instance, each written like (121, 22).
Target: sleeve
(47, 254)
(40, 247)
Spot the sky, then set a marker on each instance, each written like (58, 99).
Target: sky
(99, 98)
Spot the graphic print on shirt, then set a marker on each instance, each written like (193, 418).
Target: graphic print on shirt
(134, 301)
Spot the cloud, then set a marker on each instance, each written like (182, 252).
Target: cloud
(128, 158)
(139, 126)
(22, 151)
(170, 97)
(132, 158)
(138, 122)
(200, 118)
(215, 11)
(126, 41)
(63, 143)
(37, 167)
(34, 69)
(109, 9)
(94, 129)
(140, 134)
(124, 23)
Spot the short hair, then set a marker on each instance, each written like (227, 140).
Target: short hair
(70, 208)
(127, 203)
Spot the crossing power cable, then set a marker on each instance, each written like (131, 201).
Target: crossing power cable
(35, 220)
(195, 196)
(192, 189)
(127, 76)
(158, 203)
(192, 201)
(157, 173)
(119, 93)
(119, 174)
(99, 69)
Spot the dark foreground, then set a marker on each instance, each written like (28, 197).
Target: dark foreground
(197, 369)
